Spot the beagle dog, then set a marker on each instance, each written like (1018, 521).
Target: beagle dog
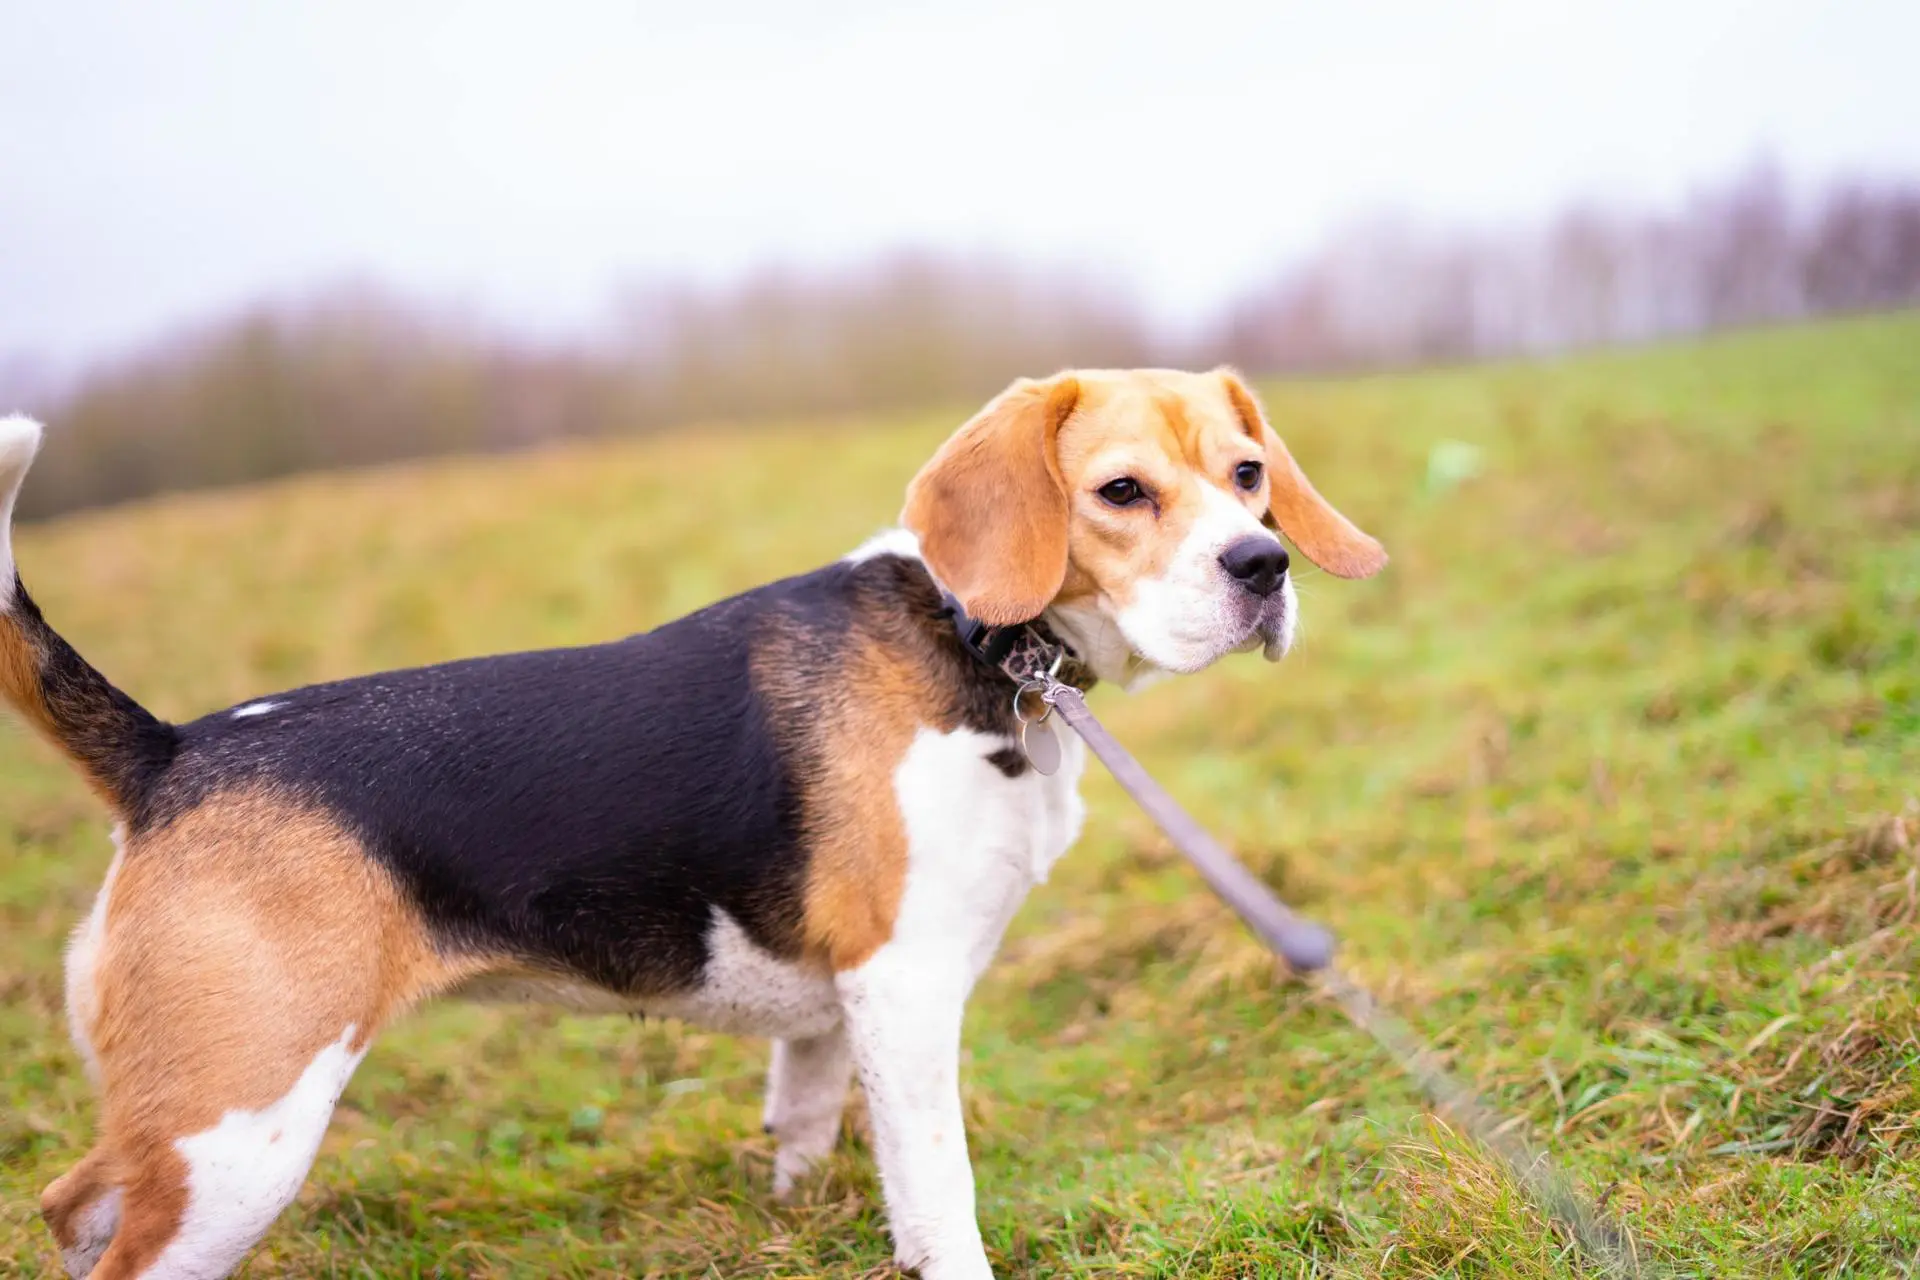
(799, 813)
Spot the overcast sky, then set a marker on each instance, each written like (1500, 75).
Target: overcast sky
(164, 163)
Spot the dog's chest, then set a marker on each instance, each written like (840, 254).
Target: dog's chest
(977, 840)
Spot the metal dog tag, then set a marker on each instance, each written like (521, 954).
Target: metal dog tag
(1041, 748)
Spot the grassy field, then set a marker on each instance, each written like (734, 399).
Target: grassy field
(1609, 783)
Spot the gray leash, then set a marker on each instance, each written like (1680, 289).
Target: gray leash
(1308, 947)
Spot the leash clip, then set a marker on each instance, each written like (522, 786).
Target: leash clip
(1043, 686)
(1046, 684)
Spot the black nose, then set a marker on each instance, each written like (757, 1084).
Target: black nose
(1256, 563)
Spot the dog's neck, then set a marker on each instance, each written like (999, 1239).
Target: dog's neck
(1023, 652)
(1082, 626)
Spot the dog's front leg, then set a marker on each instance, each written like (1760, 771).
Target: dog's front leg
(806, 1092)
(903, 1010)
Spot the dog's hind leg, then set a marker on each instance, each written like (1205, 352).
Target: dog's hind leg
(248, 953)
(167, 1195)
(193, 1204)
(806, 1092)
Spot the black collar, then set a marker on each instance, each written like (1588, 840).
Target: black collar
(1024, 652)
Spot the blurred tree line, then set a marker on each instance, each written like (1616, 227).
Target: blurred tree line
(1744, 254)
(357, 377)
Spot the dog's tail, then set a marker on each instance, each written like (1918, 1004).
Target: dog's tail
(116, 743)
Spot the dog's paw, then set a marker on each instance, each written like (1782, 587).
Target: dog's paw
(788, 1170)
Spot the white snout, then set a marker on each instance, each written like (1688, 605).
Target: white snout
(1196, 613)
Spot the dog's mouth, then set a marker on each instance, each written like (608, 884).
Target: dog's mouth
(1276, 637)
(1271, 630)
(1122, 646)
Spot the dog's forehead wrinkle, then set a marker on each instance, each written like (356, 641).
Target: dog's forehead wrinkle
(1140, 420)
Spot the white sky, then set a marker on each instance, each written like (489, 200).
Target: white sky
(161, 163)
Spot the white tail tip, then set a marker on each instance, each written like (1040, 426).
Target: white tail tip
(19, 441)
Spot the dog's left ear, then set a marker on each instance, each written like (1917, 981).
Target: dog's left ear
(990, 508)
(1323, 535)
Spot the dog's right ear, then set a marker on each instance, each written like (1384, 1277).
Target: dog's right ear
(990, 508)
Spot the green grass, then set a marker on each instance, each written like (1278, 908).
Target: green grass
(1608, 784)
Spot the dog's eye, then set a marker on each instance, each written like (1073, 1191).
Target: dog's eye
(1247, 476)
(1123, 492)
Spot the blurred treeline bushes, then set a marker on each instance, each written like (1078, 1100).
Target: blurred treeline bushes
(1746, 253)
(358, 377)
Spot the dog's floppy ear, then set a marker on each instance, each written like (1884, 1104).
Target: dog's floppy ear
(990, 508)
(1323, 535)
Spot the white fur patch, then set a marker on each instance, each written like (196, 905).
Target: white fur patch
(19, 441)
(1280, 641)
(256, 709)
(83, 958)
(1092, 633)
(749, 991)
(977, 840)
(242, 1172)
(93, 1229)
(888, 542)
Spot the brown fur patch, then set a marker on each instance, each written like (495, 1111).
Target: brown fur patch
(857, 870)
(20, 677)
(240, 941)
(856, 726)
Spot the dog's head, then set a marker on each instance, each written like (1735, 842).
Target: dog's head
(1136, 510)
